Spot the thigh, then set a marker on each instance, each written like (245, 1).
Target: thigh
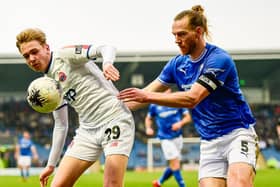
(242, 158)
(115, 167)
(69, 170)
(240, 174)
(212, 182)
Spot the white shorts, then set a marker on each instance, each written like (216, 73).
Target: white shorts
(116, 137)
(216, 155)
(24, 160)
(172, 148)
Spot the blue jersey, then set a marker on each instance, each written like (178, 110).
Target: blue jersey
(225, 109)
(165, 117)
(25, 147)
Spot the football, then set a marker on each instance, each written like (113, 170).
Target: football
(44, 94)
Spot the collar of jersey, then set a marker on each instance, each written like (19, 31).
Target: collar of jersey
(49, 65)
(200, 57)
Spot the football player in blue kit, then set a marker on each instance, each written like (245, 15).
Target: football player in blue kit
(25, 151)
(208, 81)
(170, 122)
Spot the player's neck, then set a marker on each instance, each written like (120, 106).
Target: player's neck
(199, 50)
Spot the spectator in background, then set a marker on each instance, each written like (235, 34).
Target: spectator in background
(169, 122)
(24, 152)
(277, 141)
(278, 127)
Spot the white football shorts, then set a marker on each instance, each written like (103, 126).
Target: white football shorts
(24, 160)
(116, 137)
(172, 148)
(241, 145)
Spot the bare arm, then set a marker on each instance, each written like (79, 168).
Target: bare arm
(187, 99)
(34, 153)
(155, 86)
(186, 119)
(16, 155)
(148, 125)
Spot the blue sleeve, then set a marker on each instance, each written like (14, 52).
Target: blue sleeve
(219, 66)
(151, 111)
(216, 70)
(166, 76)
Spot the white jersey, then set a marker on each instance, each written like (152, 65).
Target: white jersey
(85, 87)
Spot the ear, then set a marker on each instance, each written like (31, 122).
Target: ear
(199, 30)
(47, 46)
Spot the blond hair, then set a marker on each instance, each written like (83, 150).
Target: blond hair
(196, 18)
(30, 34)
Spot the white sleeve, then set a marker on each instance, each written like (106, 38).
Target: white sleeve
(108, 53)
(59, 135)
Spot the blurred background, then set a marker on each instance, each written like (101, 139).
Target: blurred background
(141, 31)
(259, 72)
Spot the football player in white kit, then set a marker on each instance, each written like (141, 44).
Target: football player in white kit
(106, 124)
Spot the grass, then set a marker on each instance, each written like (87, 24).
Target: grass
(269, 178)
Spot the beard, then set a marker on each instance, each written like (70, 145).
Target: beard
(189, 47)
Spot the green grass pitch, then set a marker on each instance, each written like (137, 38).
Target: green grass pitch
(264, 178)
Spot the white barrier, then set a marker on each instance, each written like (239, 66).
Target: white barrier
(16, 171)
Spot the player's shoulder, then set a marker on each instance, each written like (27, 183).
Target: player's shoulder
(217, 52)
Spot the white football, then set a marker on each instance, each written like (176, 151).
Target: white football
(44, 94)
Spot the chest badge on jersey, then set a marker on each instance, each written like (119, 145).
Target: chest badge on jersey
(61, 76)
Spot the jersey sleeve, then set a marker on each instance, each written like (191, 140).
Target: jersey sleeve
(59, 135)
(167, 76)
(215, 71)
(80, 54)
(151, 111)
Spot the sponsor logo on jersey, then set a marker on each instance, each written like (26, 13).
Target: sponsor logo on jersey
(78, 49)
(167, 113)
(214, 71)
(61, 76)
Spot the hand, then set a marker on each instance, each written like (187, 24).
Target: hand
(176, 126)
(45, 174)
(35, 158)
(110, 72)
(149, 131)
(133, 94)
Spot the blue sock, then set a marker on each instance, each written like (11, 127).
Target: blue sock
(179, 178)
(166, 174)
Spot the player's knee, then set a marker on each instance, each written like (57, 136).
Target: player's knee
(112, 182)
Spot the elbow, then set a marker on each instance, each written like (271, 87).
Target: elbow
(191, 103)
